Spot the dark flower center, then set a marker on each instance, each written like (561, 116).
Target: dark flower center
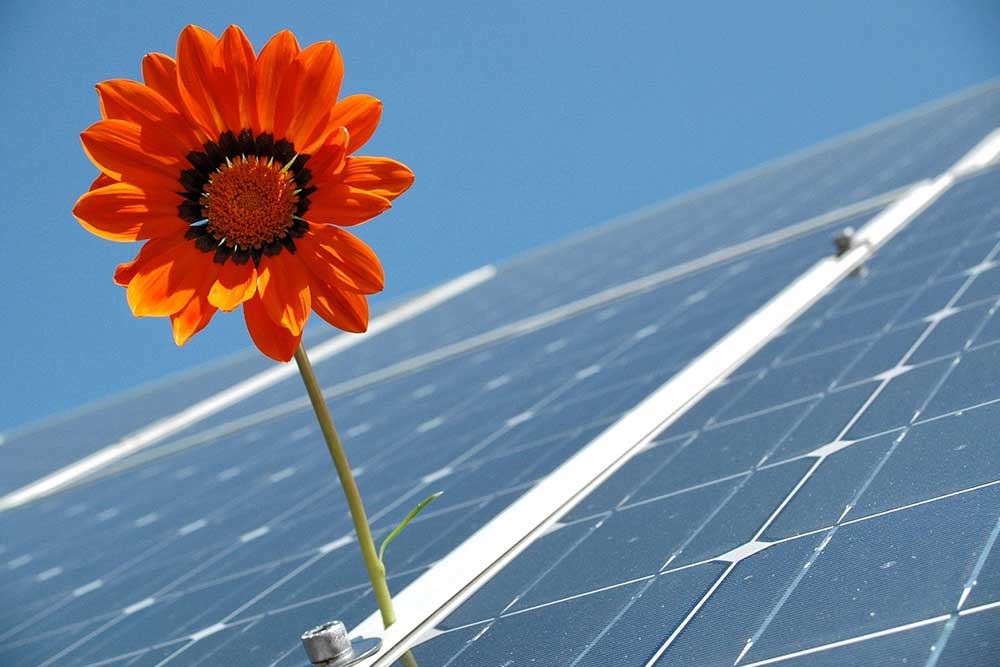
(244, 196)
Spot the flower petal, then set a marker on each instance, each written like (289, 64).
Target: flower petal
(328, 160)
(195, 78)
(344, 205)
(235, 284)
(126, 152)
(308, 93)
(126, 272)
(344, 310)
(159, 72)
(360, 115)
(272, 339)
(134, 102)
(340, 259)
(165, 280)
(198, 312)
(378, 175)
(283, 285)
(124, 212)
(274, 62)
(233, 89)
(102, 180)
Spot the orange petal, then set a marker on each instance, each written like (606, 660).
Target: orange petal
(123, 212)
(344, 310)
(344, 205)
(198, 312)
(159, 72)
(126, 272)
(234, 93)
(283, 285)
(126, 152)
(165, 281)
(328, 160)
(273, 64)
(308, 93)
(235, 284)
(195, 77)
(134, 102)
(102, 180)
(360, 115)
(272, 339)
(378, 175)
(340, 259)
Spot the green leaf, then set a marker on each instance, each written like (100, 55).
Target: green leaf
(409, 517)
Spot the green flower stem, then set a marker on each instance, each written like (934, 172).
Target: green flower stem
(376, 571)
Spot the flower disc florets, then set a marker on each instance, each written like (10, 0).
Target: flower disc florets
(249, 202)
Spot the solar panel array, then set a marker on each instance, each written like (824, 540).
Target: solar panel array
(222, 544)
(836, 502)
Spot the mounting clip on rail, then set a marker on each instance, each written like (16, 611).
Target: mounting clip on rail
(329, 646)
(847, 240)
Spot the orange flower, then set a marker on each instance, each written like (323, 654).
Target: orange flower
(238, 171)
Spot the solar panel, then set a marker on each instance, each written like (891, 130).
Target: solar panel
(486, 394)
(852, 461)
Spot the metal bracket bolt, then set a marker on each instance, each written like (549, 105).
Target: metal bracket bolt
(843, 241)
(328, 645)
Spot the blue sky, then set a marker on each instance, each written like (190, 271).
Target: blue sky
(523, 121)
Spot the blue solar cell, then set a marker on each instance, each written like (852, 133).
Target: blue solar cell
(621, 486)
(634, 542)
(972, 381)
(649, 617)
(824, 422)
(704, 411)
(502, 590)
(986, 286)
(990, 331)
(900, 649)
(443, 647)
(882, 355)
(951, 334)
(515, 639)
(718, 633)
(824, 499)
(922, 555)
(721, 451)
(738, 518)
(930, 300)
(936, 457)
(972, 642)
(796, 381)
(900, 401)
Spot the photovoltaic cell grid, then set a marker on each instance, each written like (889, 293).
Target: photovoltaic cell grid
(835, 502)
(883, 158)
(248, 535)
